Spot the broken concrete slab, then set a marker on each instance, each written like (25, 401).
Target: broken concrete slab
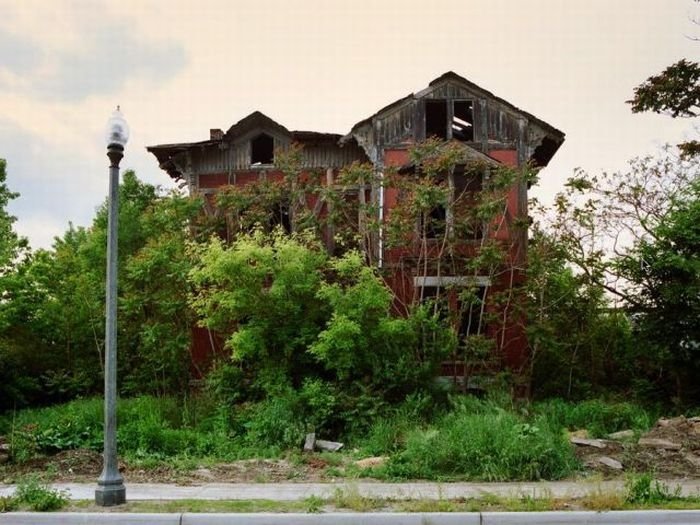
(597, 443)
(610, 463)
(659, 443)
(310, 442)
(331, 446)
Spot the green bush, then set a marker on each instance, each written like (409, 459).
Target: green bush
(39, 497)
(276, 422)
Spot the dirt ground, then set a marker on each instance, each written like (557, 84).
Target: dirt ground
(670, 450)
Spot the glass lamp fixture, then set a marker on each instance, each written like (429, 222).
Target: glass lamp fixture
(117, 129)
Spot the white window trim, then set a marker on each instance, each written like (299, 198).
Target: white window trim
(451, 280)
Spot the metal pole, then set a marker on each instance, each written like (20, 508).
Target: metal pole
(110, 485)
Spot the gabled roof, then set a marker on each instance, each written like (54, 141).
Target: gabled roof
(554, 137)
(256, 120)
(454, 77)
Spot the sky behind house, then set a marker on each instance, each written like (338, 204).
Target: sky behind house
(179, 68)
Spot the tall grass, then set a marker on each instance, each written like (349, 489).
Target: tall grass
(489, 444)
(598, 417)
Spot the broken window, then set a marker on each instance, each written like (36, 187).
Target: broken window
(434, 222)
(449, 119)
(279, 216)
(471, 303)
(436, 118)
(262, 149)
(437, 296)
(463, 121)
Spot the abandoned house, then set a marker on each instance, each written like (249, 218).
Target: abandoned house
(489, 134)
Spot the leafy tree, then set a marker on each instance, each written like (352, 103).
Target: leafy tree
(154, 309)
(10, 242)
(17, 385)
(665, 267)
(580, 345)
(631, 234)
(676, 92)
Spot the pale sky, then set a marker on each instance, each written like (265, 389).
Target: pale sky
(178, 68)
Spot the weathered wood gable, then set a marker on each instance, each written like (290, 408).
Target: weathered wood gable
(497, 124)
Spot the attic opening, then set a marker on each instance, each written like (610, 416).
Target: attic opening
(436, 118)
(262, 149)
(449, 119)
(463, 121)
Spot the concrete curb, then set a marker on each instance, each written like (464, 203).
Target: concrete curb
(654, 517)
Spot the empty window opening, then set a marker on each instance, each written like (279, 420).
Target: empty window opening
(279, 216)
(434, 222)
(436, 118)
(438, 297)
(471, 308)
(467, 184)
(262, 149)
(463, 121)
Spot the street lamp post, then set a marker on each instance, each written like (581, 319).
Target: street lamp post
(110, 485)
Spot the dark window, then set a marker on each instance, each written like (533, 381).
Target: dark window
(434, 222)
(436, 118)
(279, 216)
(463, 121)
(467, 184)
(470, 303)
(437, 296)
(262, 149)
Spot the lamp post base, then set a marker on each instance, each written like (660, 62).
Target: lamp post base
(110, 495)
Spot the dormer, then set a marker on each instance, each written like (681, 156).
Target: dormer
(257, 136)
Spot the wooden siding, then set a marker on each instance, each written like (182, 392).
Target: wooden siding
(233, 157)
(496, 125)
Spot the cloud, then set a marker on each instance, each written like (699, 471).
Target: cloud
(55, 185)
(108, 54)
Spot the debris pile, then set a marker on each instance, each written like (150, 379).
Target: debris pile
(670, 449)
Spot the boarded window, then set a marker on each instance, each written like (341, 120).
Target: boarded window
(262, 149)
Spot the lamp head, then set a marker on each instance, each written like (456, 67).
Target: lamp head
(117, 129)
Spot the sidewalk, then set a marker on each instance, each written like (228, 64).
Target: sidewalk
(299, 491)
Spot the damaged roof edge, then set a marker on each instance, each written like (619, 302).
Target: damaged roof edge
(446, 77)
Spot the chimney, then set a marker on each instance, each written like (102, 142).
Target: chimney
(216, 134)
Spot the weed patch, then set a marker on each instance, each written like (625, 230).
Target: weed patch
(40, 497)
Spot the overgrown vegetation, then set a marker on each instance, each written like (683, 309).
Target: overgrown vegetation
(311, 334)
(468, 438)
